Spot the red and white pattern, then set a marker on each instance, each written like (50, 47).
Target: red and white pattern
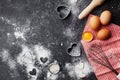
(111, 48)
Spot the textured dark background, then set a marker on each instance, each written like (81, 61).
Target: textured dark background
(45, 21)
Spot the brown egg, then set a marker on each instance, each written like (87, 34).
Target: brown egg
(94, 23)
(105, 17)
(103, 34)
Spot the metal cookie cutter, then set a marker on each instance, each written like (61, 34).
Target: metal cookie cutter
(63, 12)
(74, 50)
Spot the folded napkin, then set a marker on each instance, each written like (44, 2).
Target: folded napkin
(111, 48)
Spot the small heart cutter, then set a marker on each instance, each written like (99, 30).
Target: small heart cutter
(63, 12)
(74, 50)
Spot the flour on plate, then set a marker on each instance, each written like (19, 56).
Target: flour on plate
(52, 74)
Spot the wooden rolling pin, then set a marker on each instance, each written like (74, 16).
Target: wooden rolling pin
(90, 7)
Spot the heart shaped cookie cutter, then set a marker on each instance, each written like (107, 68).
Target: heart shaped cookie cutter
(63, 12)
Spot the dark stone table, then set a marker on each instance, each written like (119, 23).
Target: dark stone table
(28, 25)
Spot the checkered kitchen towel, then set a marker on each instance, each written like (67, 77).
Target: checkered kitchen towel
(111, 48)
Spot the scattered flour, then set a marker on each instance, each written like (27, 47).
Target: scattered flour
(6, 57)
(77, 70)
(70, 68)
(26, 58)
(61, 44)
(73, 2)
(69, 32)
(19, 34)
(87, 68)
(73, 6)
(51, 76)
(8, 21)
(10, 39)
(29, 55)
(21, 30)
(41, 51)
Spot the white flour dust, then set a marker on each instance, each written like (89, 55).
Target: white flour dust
(69, 32)
(6, 58)
(26, 58)
(9, 21)
(87, 68)
(21, 30)
(41, 51)
(73, 1)
(19, 34)
(73, 6)
(10, 39)
(77, 70)
(29, 55)
(70, 69)
(51, 76)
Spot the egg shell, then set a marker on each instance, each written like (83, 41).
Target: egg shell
(104, 34)
(105, 17)
(95, 23)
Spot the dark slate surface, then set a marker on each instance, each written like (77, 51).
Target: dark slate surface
(42, 19)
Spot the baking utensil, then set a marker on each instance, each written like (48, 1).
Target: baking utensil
(90, 7)
(54, 68)
(97, 55)
(63, 12)
(74, 50)
(44, 60)
(33, 72)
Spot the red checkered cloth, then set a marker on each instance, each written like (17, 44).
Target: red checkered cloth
(111, 47)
